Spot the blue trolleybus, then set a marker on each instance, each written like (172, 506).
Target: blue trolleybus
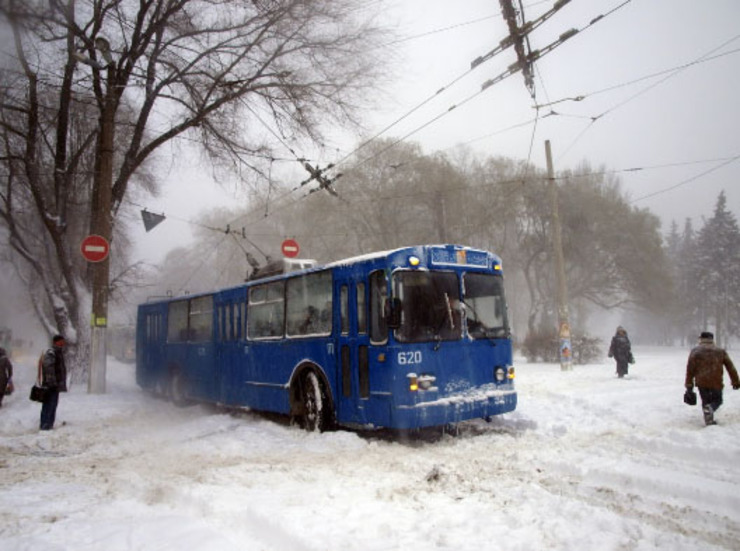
(403, 339)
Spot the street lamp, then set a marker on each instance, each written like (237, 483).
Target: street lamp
(100, 224)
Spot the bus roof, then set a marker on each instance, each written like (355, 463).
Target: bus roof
(446, 259)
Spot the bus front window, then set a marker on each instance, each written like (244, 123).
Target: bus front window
(485, 306)
(430, 306)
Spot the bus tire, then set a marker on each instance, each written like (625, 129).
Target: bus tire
(178, 389)
(316, 406)
(161, 389)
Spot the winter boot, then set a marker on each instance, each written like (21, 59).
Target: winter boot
(709, 415)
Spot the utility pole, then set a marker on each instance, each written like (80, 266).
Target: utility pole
(566, 350)
(100, 224)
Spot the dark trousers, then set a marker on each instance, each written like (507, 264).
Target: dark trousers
(49, 410)
(711, 397)
(3, 386)
(622, 368)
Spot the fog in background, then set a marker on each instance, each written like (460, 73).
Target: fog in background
(659, 87)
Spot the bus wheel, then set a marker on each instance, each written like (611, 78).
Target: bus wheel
(177, 389)
(160, 389)
(315, 407)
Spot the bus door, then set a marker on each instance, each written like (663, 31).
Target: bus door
(232, 350)
(151, 364)
(200, 370)
(353, 383)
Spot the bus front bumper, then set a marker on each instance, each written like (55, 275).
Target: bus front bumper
(454, 409)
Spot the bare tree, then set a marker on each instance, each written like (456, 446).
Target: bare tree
(215, 71)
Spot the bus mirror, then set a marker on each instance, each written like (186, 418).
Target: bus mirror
(393, 312)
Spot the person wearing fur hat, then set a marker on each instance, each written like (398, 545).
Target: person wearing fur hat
(621, 351)
(704, 369)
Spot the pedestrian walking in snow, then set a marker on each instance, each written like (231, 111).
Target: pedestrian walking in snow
(704, 369)
(6, 373)
(621, 350)
(54, 377)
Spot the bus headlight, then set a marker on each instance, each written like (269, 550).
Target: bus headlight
(499, 374)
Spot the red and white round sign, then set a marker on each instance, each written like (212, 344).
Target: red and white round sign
(94, 248)
(290, 248)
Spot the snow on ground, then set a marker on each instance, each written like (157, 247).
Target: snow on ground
(587, 461)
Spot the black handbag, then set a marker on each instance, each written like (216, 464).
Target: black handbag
(689, 397)
(39, 394)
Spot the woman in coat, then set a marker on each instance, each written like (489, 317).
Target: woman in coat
(6, 373)
(621, 351)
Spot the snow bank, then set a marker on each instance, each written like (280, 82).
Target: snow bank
(588, 461)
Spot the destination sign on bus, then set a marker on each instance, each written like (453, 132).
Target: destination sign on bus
(460, 257)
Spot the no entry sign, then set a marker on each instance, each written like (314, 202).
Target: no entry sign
(290, 248)
(94, 248)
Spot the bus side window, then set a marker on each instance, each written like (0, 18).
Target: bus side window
(361, 309)
(201, 318)
(309, 304)
(177, 321)
(221, 330)
(344, 309)
(378, 294)
(266, 311)
(239, 320)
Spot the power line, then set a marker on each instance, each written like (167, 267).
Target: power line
(698, 61)
(503, 45)
(381, 198)
(512, 69)
(671, 73)
(689, 180)
(440, 30)
(203, 262)
(553, 113)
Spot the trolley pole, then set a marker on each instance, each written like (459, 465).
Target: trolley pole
(566, 350)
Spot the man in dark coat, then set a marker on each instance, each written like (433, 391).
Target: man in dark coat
(621, 351)
(54, 377)
(704, 369)
(6, 373)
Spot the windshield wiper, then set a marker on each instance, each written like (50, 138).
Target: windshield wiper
(445, 320)
(449, 311)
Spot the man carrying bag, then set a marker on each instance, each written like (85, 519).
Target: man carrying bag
(54, 380)
(704, 369)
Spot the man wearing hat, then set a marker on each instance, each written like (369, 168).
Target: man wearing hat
(54, 377)
(705, 370)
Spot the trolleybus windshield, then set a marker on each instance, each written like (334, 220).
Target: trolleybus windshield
(484, 306)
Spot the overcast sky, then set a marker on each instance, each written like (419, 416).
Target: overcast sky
(678, 127)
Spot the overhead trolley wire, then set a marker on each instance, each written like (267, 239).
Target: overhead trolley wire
(670, 73)
(688, 180)
(510, 71)
(723, 161)
(503, 45)
(442, 29)
(553, 113)
(513, 69)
